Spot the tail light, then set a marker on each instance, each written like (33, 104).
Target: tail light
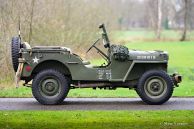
(28, 68)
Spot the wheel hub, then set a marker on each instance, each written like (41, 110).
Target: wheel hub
(155, 87)
(50, 87)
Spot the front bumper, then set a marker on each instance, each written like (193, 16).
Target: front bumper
(176, 78)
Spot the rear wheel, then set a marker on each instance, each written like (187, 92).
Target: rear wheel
(50, 87)
(155, 87)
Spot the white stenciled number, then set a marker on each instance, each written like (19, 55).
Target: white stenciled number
(108, 74)
(100, 74)
(104, 74)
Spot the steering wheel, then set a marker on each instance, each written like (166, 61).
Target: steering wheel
(93, 45)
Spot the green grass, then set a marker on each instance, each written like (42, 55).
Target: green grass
(26, 92)
(96, 119)
(139, 34)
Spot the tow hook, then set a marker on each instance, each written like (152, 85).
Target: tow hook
(176, 79)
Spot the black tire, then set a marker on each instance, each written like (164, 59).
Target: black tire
(155, 87)
(50, 87)
(15, 48)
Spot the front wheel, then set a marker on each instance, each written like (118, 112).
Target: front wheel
(155, 87)
(50, 87)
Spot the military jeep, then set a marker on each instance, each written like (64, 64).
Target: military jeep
(54, 70)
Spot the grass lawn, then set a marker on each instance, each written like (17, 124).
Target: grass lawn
(96, 119)
(181, 60)
(141, 34)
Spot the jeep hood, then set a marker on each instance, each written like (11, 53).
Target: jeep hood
(148, 55)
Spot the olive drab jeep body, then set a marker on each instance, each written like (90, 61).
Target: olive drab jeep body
(54, 70)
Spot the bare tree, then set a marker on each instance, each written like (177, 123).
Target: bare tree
(187, 18)
(31, 19)
(183, 38)
(154, 8)
(159, 22)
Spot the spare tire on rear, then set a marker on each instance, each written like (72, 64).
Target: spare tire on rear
(15, 49)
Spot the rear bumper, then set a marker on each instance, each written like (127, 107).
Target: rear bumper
(176, 79)
(19, 71)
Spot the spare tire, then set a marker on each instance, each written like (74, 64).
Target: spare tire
(15, 49)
